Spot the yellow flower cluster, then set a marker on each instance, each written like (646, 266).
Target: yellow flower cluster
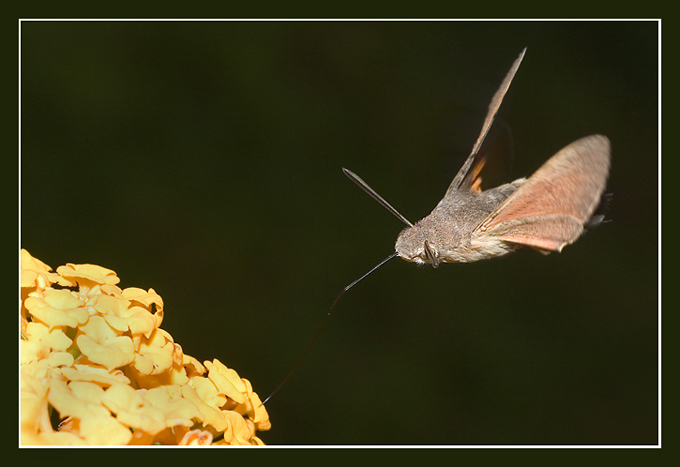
(97, 369)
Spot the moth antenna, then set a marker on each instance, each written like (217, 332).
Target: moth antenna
(322, 326)
(372, 193)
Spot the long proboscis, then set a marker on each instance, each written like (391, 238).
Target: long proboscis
(322, 326)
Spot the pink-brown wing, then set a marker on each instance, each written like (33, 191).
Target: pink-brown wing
(549, 209)
(475, 161)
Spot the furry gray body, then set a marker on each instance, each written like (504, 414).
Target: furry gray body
(448, 229)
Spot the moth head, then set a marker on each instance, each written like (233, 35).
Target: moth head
(413, 245)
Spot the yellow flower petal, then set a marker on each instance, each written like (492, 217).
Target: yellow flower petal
(253, 409)
(175, 375)
(241, 431)
(210, 415)
(156, 354)
(141, 321)
(57, 359)
(104, 431)
(113, 310)
(132, 409)
(130, 383)
(35, 273)
(77, 399)
(102, 345)
(146, 298)
(192, 365)
(261, 417)
(40, 341)
(149, 301)
(226, 380)
(57, 308)
(176, 409)
(101, 376)
(59, 438)
(196, 438)
(33, 403)
(151, 410)
(207, 391)
(111, 290)
(87, 274)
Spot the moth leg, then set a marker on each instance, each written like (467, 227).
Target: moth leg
(431, 255)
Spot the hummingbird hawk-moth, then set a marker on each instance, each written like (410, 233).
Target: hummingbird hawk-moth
(546, 211)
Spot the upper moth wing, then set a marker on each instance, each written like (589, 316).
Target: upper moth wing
(493, 161)
(549, 209)
(467, 176)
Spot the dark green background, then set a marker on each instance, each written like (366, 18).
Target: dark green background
(203, 159)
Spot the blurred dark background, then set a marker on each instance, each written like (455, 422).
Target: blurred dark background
(203, 159)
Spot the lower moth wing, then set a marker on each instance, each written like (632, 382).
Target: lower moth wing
(544, 233)
(549, 210)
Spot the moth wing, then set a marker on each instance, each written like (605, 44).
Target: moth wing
(492, 163)
(465, 178)
(549, 209)
(545, 234)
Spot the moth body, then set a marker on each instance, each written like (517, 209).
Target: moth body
(448, 230)
(546, 211)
